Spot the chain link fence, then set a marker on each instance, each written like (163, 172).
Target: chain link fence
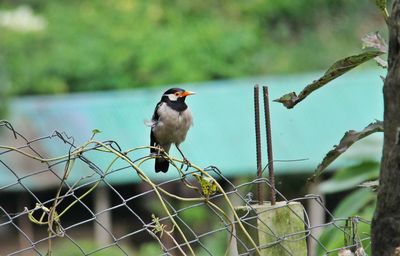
(105, 203)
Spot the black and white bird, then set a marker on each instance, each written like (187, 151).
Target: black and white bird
(169, 125)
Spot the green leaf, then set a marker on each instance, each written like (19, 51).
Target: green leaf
(381, 4)
(95, 131)
(355, 203)
(350, 177)
(349, 138)
(337, 69)
(208, 186)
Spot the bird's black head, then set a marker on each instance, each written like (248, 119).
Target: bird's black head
(175, 94)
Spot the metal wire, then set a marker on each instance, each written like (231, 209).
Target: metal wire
(137, 206)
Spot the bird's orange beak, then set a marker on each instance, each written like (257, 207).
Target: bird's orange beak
(186, 93)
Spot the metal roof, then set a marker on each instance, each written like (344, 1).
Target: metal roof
(223, 131)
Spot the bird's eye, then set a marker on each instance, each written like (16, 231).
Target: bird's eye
(177, 94)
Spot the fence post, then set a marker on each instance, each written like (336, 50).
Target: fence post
(277, 229)
(102, 202)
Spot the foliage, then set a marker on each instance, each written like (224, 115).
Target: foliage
(350, 177)
(95, 45)
(69, 249)
(4, 89)
(360, 202)
(149, 249)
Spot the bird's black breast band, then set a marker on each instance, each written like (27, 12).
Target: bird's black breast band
(178, 105)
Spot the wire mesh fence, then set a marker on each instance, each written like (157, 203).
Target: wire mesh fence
(97, 199)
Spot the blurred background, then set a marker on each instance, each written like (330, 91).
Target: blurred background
(74, 66)
(55, 47)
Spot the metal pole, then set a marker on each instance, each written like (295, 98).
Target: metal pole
(260, 194)
(269, 145)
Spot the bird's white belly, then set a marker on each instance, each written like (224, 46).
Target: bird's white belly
(172, 125)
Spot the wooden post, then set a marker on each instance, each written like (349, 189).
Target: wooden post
(24, 223)
(277, 229)
(102, 202)
(316, 215)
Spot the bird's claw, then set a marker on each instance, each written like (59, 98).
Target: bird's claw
(186, 162)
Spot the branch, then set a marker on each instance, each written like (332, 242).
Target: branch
(349, 138)
(337, 69)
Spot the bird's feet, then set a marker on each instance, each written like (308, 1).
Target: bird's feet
(187, 163)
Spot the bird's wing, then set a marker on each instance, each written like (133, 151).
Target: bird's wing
(153, 142)
(154, 121)
(155, 115)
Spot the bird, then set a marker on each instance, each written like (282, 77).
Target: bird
(170, 123)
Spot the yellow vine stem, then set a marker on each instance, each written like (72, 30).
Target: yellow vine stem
(53, 216)
(33, 156)
(173, 160)
(148, 181)
(52, 213)
(40, 220)
(78, 151)
(169, 159)
(161, 228)
(229, 204)
(81, 150)
(198, 199)
(89, 190)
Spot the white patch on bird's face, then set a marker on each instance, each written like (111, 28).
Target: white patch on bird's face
(173, 96)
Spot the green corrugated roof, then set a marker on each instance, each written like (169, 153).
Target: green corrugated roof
(223, 131)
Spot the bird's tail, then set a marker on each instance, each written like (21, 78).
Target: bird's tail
(161, 165)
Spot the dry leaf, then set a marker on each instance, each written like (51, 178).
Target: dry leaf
(349, 138)
(337, 69)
